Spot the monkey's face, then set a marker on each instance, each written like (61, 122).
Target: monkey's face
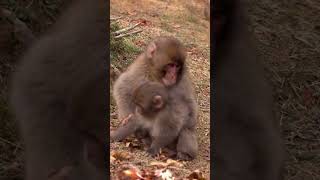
(167, 60)
(170, 66)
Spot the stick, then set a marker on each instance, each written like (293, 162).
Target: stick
(115, 18)
(128, 34)
(126, 29)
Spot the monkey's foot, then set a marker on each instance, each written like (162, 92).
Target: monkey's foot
(169, 153)
(153, 152)
(184, 156)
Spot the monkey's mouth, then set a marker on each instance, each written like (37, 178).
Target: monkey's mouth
(170, 74)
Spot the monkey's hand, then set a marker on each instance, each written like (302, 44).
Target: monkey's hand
(124, 131)
(153, 151)
(126, 120)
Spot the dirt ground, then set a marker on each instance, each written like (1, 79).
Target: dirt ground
(187, 23)
(288, 35)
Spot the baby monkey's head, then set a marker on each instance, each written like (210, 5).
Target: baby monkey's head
(150, 98)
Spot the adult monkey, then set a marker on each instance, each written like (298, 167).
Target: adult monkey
(163, 61)
(59, 97)
(248, 144)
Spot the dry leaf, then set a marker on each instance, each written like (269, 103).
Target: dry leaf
(129, 172)
(159, 164)
(197, 175)
(172, 162)
(169, 162)
(164, 174)
(112, 159)
(120, 155)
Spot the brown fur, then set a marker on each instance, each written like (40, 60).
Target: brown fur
(149, 116)
(248, 144)
(59, 96)
(149, 66)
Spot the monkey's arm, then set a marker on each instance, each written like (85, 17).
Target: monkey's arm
(124, 131)
(187, 147)
(189, 99)
(122, 93)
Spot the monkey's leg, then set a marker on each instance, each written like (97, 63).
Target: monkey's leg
(143, 136)
(124, 131)
(187, 146)
(161, 140)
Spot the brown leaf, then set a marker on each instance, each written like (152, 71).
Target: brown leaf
(120, 155)
(129, 172)
(169, 162)
(172, 162)
(196, 175)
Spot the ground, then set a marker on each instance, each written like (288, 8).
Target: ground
(185, 22)
(288, 36)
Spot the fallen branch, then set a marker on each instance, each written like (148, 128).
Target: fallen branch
(126, 29)
(115, 18)
(128, 34)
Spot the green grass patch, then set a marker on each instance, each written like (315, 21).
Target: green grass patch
(122, 50)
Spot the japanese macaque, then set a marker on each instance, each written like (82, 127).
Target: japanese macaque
(163, 61)
(59, 98)
(247, 137)
(153, 114)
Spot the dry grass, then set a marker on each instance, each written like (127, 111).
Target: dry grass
(289, 39)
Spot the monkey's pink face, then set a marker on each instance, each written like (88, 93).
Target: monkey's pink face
(171, 72)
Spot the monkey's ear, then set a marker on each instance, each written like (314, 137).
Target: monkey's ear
(152, 47)
(157, 101)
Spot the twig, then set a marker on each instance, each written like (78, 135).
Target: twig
(115, 18)
(128, 34)
(126, 29)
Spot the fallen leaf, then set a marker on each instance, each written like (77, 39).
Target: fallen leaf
(169, 162)
(196, 175)
(120, 155)
(112, 159)
(164, 174)
(172, 162)
(159, 164)
(129, 172)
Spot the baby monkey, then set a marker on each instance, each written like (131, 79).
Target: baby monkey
(153, 116)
